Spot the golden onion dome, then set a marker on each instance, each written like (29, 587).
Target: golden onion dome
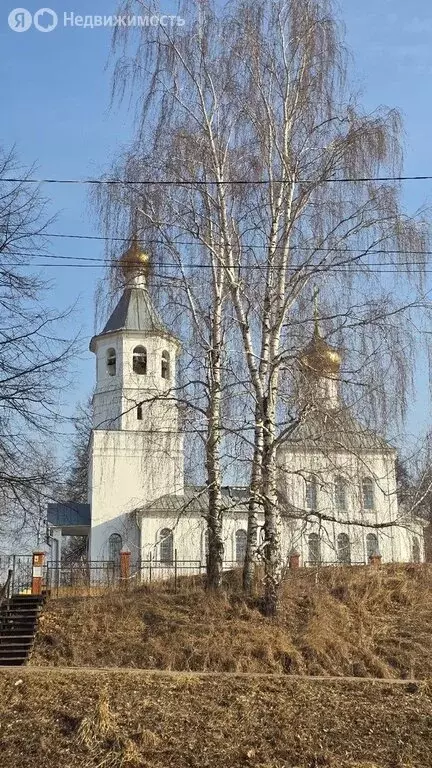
(320, 358)
(135, 261)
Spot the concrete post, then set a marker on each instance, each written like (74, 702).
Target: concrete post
(37, 572)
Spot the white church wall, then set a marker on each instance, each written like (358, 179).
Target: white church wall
(129, 469)
(189, 535)
(393, 541)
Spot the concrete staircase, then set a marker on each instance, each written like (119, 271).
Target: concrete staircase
(18, 624)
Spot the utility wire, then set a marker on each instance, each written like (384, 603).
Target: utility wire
(365, 249)
(203, 182)
(100, 261)
(313, 269)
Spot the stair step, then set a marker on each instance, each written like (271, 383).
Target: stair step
(13, 654)
(17, 617)
(8, 633)
(35, 600)
(20, 612)
(27, 597)
(18, 624)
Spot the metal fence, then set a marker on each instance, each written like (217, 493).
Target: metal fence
(80, 578)
(91, 577)
(96, 576)
(21, 567)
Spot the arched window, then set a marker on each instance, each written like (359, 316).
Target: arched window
(111, 361)
(344, 549)
(240, 546)
(115, 547)
(314, 547)
(139, 359)
(371, 545)
(139, 412)
(165, 365)
(166, 546)
(368, 493)
(340, 492)
(416, 550)
(311, 493)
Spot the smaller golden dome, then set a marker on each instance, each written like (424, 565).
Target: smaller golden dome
(320, 358)
(135, 261)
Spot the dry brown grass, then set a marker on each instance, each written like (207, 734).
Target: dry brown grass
(357, 621)
(137, 719)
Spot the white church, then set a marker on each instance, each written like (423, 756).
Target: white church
(337, 479)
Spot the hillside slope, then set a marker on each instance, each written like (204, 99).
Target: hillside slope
(343, 621)
(127, 719)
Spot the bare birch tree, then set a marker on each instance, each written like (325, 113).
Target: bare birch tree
(256, 155)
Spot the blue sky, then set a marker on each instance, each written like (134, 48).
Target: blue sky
(54, 96)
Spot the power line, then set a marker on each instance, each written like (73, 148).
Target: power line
(204, 182)
(152, 241)
(312, 268)
(100, 261)
(317, 249)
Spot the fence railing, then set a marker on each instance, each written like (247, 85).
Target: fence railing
(90, 577)
(21, 567)
(94, 576)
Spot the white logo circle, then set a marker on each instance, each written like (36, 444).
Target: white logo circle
(45, 19)
(20, 19)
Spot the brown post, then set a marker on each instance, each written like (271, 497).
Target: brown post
(375, 560)
(125, 558)
(294, 560)
(37, 572)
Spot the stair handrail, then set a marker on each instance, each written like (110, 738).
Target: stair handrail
(5, 589)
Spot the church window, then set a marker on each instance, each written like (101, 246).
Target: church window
(240, 546)
(311, 493)
(340, 491)
(371, 545)
(416, 550)
(111, 361)
(165, 372)
(139, 412)
(314, 547)
(343, 549)
(166, 546)
(368, 493)
(115, 547)
(139, 359)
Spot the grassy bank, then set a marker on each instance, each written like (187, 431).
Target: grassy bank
(357, 621)
(131, 719)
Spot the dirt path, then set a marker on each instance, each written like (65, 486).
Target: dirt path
(182, 674)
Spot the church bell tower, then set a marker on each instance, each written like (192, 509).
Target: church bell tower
(137, 447)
